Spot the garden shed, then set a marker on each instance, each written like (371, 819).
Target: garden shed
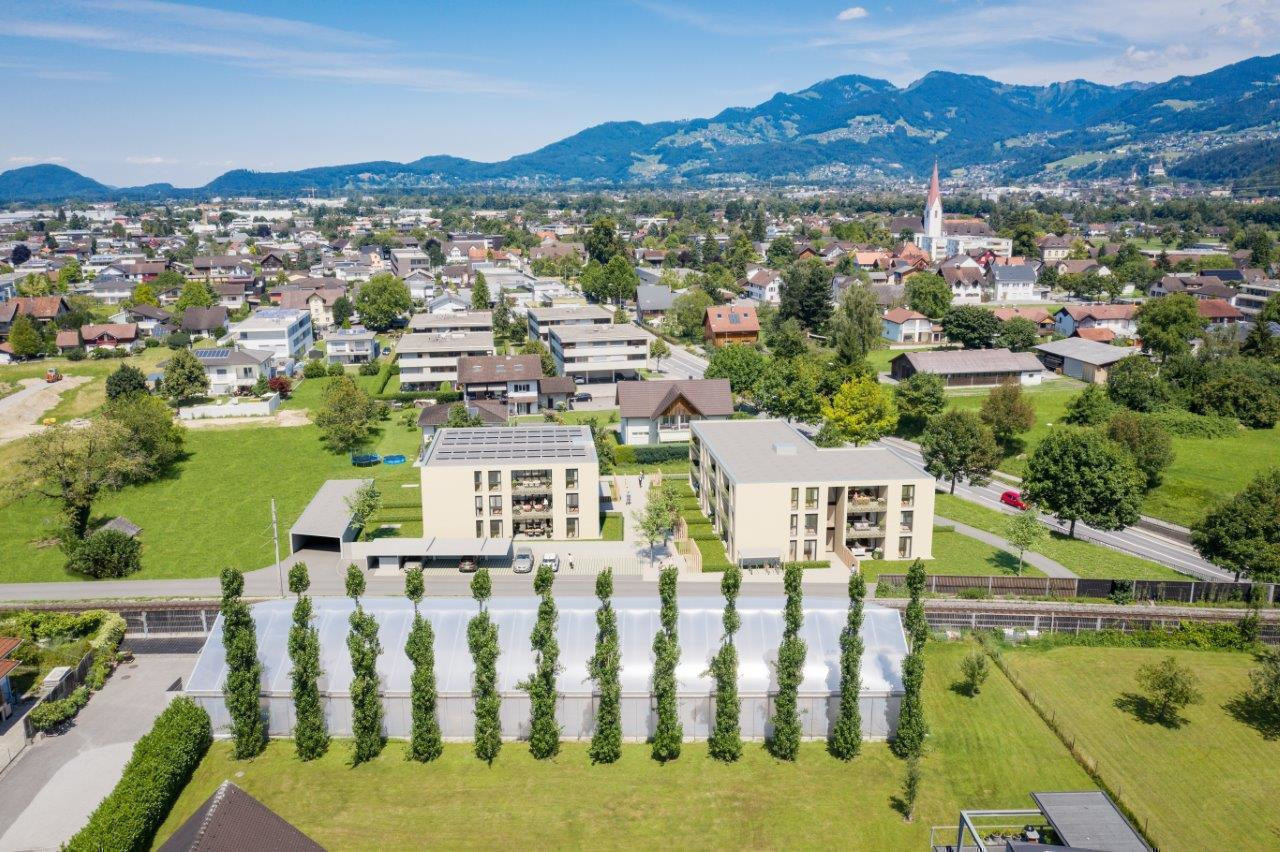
(700, 632)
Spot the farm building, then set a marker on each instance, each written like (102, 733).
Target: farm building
(699, 631)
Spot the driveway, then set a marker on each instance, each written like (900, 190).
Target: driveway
(20, 412)
(51, 789)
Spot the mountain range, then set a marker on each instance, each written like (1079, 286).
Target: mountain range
(845, 130)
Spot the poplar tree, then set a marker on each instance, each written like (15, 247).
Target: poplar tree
(424, 737)
(482, 640)
(908, 741)
(725, 742)
(366, 704)
(310, 738)
(669, 735)
(846, 737)
(785, 743)
(244, 671)
(544, 733)
(606, 740)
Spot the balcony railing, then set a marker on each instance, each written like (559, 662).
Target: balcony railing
(867, 504)
(864, 531)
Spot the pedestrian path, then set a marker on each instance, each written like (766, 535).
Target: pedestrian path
(1044, 563)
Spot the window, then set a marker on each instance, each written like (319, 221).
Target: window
(791, 550)
(907, 519)
(571, 503)
(478, 479)
(795, 499)
(495, 528)
(571, 478)
(495, 505)
(811, 524)
(795, 524)
(908, 495)
(495, 480)
(479, 529)
(479, 505)
(904, 547)
(811, 498)
(810, 550)
(571, 528)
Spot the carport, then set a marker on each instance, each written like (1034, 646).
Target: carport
(392, 552)
(326, 522)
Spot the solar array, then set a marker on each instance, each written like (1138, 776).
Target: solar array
(512, 444)
(212, 353)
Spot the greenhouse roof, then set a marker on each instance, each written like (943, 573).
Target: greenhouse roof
(699, 629)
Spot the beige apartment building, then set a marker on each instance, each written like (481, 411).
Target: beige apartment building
(523, 482)
(426, 360)
(447, 322)
(543, 320)
(599, 353)
(773, 495)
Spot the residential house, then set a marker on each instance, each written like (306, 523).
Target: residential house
(110, 336)
(1043, 319)
(284, 332)
(233, 371)
(223, 268)
(510, 379)
(1218, 312)
(444, 323)
(1082, 267)
(726, 324)
(355, 345)
(596, 352)
(315, 295)
(556, 392)
(969, 367)
(151, 321)
(1254, 294)
(407, 260)
(659, 412)
(1121, 319)
(903, 325)
(433, 417)
(1080, 358)
(653, 302)
(422, 285)
(204, 322)
(542, 321)
(427, 360)
(1012, 284)
(966, 282)
(42, 309)
(448, 303)
(1054, 248)
(763, 285)
(111, 291)
(1196, 286)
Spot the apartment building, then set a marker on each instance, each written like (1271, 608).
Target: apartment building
(356, 345)
(447, 322)
(543, 320)
(599, 353)
(406, 260)
(1254, 294)
(284, 332)
(524, 482)
(511, 379)
(773, 495)
(426, 360)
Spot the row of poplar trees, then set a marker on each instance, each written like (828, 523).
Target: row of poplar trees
(311, 739)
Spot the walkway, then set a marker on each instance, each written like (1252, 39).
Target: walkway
(1044, 563)
(20, 411)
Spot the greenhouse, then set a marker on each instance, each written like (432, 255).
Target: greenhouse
(699, 634)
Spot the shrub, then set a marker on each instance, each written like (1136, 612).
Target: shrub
(50, 714)
(281, 385)
(337, 370)
(624, 454)
(150, 343)
(658, 453)
(76, 354)
(162, 763)
(1192, 635)
(100, 354)
(368, 368)
(314, 370)
(1184, 424)
(106, 553)
(178, 340)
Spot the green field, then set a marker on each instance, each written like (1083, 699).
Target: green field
(86, 399)
(957, 555)
(987, 751)
(1083, 558)
(214, 510)
(1209, 784)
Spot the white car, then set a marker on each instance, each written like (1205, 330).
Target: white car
(523, 563)
(551, 560)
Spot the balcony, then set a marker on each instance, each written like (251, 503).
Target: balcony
(863, 503)
(864, 530)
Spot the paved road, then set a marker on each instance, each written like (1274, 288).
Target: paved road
(51, 789)
(682, 364)
(1180, 557)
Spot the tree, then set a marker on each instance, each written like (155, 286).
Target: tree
(152, 439)
(105, 553)
(855, 327)
(740, 364)
(789, 340)
(1080, 475)
(1243, 534)
(184, 377)
(343, 309)
(928, 293)
(781, 253)
(346, 414)
(920, 397)
(244, 671)
(533, 346)
(845, 740)
(908, 740)
(785, 743)
(73, 467)
(806, 294)
(425, 743)
(910, 787)
(310, 738)
(24, 337)
(604, 667)
(971, 326)
(1264, 688)
(668, 735)
(658, 349)
(1018, 334)
(602, 242)
(1168, 324)
(1247, 396)
(459, 418)
(725, 742)
(1262, 249)
(366, 705)
(125, 380)
(364, 503)
(195, 294)
(1090, 407)
(974, 669)
(382, 300)
(479, 293)
(861, 411)
(688, 312)
(144, 294)
(1025, 532)
(1135, 383)
(482, 640)
(1170, 687)
(544, 732)
(1007, 412)
(958, 445)
(36, 284)
(789, 388)
(620, 279)
(1146, 440)
(658, 518)
(19, 255)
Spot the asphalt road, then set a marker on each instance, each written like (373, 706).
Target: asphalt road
(681, 364)
(1173, 554)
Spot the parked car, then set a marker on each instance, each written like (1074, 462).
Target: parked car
(468, 564)
(582, 397)
(523, 563)
(551, 560)
(1014, 499)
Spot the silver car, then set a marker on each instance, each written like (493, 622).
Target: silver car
(523, 563)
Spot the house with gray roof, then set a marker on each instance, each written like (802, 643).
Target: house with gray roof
(653, 301)
(232, 370)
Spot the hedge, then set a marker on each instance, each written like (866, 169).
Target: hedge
(161, 765)
(411, 396)
(1197, 635)
(657, 453)
(48, 715)
(805, 564)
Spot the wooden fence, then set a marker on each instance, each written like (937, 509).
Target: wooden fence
(1182, 591)
(688, 547)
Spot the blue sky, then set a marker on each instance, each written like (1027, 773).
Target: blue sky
(136, 91)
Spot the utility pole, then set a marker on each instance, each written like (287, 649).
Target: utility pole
(275, 536)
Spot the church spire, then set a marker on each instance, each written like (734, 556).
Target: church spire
(935, 192)
(933, 208)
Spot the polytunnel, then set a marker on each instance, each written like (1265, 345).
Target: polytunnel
(699, 636)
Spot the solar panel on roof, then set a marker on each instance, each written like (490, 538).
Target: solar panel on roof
(212, 353)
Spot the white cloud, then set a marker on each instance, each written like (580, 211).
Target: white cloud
(149, 161)
(853, 13)
(26, 161)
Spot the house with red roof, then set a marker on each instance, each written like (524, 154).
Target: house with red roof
(726, 324)
(903, 325)
(1121, 319)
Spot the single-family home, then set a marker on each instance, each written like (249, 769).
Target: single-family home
(234, 370)
(315, 295)
(660, 411)
(1043, 319)
(42, 309)
(1012, 283)
(110, 336)
(111, 291)
(448, 303)
(355, 345)
(512, 379)
(726, 324)
(204, 322)
(762, 284)
(903, 325)
(432, 417)
(652, 302)
(969, 367)
(151, 321)
(421, 284)
(1121, 319)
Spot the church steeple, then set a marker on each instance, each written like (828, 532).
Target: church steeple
(933, 207)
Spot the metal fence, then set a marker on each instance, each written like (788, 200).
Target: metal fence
(1180, 591)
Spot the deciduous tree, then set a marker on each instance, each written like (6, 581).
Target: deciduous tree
(725, 742)
(741, 365)
(346, 415)
(184, 377)
(1080, 475)
(1168, 324)
(919, 398)
(1243, 534)
(861, 411)
(604, 667)
(971, 326)
(382, 300)
(1008, 412)
(928, 293)
(958, 445)
(1025, 532)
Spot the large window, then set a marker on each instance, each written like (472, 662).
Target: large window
(495, 528)
(791, 550)
(908, 519)
(795, 524)
(571, 478)
(495, 480)
(479, 477)
(795, 499)
(479, 505)
(904, 547)
(571, 503)
(571, 528)
(811, 498)
(495, 505)
(810, 550)
(908, 495)
(811, 524)
(479, 529)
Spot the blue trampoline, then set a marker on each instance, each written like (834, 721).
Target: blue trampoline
(365, 459)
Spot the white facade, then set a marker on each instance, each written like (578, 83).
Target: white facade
(426, 360)
(599, 352)
(543, 320)
(284, 332)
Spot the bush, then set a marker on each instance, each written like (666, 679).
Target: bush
(441, 397)
(178, 340)
(161, 765)
(658, 453)
(106, 553)
(314, 370)
(369, 368)
(101, 354)
(1192, 635)
(805, 564)
(1184, 424)
(150, 343)
(337, 370)
(624, 453)
(51, 714)
(76, 354)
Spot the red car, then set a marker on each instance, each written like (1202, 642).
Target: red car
(1014, 499)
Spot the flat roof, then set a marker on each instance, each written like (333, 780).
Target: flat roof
(513, 444)
(328, 515)
(472, 319)
(1089, 820)
(580, 333)
(570, 312)
(446, 341)
(754, 451)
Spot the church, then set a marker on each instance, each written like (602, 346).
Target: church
(940, 239)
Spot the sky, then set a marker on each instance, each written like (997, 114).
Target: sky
(140, 91)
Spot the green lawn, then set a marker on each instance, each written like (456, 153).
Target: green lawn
(1050, 400)
(956, 555)
(1207, 785)
(580, 417)
(1083, 558)
(214, 509)
(611, 528)
(988, 751)
(86, 399)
